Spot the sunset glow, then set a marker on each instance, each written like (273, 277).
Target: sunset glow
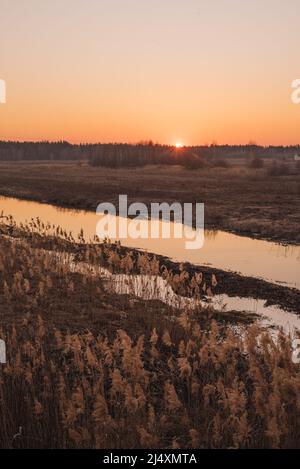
(119, 81)
(149, 231)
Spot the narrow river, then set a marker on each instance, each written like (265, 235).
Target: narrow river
(226, 251)
(262, 259)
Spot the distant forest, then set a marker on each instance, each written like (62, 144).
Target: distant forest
(121, 155)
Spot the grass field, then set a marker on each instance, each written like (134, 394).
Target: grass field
(259, 202)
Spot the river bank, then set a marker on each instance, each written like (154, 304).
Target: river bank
(248, 202)
(231, 284)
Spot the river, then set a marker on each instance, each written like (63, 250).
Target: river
(226, 251)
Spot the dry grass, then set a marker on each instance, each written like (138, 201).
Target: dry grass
(170, 380)
(237, 198)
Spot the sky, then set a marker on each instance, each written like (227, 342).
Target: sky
(189, 71)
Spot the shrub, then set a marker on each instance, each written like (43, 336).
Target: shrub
(277, 170)
(220, 162)
(256, 163)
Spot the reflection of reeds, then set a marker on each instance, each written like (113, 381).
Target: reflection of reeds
(174, 385)
(111, 255)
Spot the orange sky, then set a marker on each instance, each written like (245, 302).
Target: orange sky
(128, 70)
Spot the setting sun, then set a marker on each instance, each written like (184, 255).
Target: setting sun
(178, 145)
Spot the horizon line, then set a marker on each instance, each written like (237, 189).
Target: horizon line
(151, 142)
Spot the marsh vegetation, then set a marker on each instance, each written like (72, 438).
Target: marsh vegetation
(85, 364)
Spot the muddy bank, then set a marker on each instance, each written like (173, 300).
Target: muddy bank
(237, 199)
(236, 285)
(213, 222)
(230, 283)
(233, 284)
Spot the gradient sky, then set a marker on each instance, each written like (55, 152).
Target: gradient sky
(193, 71)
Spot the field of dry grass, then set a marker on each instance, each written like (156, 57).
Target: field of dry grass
(239, 198)
(84, 366)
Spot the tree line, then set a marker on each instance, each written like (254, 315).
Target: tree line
(131, 155)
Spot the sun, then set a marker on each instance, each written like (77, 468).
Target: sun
(178, 145)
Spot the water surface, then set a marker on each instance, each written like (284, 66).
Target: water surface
(263, 259)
